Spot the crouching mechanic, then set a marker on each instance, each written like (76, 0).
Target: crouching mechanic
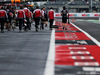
(3, 16)
(20, 16)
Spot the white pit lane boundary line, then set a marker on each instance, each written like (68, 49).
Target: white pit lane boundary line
(88, 35)
(49, 69)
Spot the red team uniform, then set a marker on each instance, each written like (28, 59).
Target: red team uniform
(3, 15)
(20, 16)
(51, 17)
(37, 15)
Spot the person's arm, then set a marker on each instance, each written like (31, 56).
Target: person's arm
(53, 14)
(28, 12)
(48, 13)
(24, 14)
(16, 14)
(31, 15)
(6, 14)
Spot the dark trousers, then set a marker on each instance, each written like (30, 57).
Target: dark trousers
(51, 22)
(42, 22)
(27, 19)
(42, 25)
(2, 21)
(37, 20)
(21, 22)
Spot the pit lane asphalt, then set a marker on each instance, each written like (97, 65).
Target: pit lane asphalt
(24, 53)
(92, 28)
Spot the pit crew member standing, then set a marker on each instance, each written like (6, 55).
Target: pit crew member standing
(3, 16)
(37, 16)
(51, 17)
(65, 16)
(20, 16)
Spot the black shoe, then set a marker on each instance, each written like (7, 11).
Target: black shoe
(42, 28)
(65, 28)
(29, 28)
(2, 31)
(36, 30)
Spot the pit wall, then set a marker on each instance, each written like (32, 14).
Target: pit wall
(80, 15)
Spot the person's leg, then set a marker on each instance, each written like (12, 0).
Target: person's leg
(2, 25)
(63, 25)
(66, 24)
(25, 25)
(42, 25)
(10, 24)
(27, 19)
(20, 24)
(28, 26)
(50, 23)
(5, 23)
(36, 24)
(68, 21)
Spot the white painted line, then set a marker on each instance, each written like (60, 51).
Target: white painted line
(86, 64)
(82, 57)
(97, 69)
(77, 47)
(88, 52)
(79, 52)
(88, 35)
(49, 69)
(91, 57)
(73, 57)
(71, 52)
(97, 64)
(88, 69)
